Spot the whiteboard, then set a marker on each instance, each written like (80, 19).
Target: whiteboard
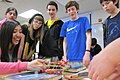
(97, 32)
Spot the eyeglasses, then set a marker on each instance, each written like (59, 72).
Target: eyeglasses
(38, 22)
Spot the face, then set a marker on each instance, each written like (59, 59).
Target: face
(36, 24)
(51, 11)
(92, 46)
(108, 6)
(17, 33)
(11, 15)
(72, 11)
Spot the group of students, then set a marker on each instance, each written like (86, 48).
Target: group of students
(70, 40)
(106, 64)
(18, 42)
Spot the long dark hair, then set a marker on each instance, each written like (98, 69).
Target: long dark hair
(6, 33)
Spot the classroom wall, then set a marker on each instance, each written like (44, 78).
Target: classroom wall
(95, 15)
(97, 29)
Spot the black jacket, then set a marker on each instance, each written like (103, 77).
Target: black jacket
(95, 50)
(52, 44)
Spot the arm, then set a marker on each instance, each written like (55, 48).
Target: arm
(9, 67)
(13, 67)
(21, 47)
(86, 58)
(60, 45)
(107, 60)
(65, 49)
(5, 19)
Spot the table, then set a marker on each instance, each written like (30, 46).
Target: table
(2, 77)
(78, 78)
(64, 73)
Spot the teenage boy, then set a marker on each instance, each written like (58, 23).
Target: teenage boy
(95, 47)
(52, 42)
(106, 59)
(77, 36)
(112, 23)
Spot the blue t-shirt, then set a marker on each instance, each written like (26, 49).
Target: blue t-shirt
(75, 33)
(113, 29)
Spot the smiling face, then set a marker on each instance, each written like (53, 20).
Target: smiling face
(37, 24)
(51, 10)
(72, 11)
(17, 33)
(11, 15)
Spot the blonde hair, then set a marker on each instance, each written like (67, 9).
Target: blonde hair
(39, 32)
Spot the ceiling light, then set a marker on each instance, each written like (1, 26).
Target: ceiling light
(64, 2)
(28, 14)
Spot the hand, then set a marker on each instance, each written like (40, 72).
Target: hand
(37, 64)
(116, 74)
(100, 67)
(86, 58)
(64, 58)
(71, 77)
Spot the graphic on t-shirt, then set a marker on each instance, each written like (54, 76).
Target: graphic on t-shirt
(69, 29)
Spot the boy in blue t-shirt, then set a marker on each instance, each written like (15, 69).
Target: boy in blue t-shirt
(77, 36)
